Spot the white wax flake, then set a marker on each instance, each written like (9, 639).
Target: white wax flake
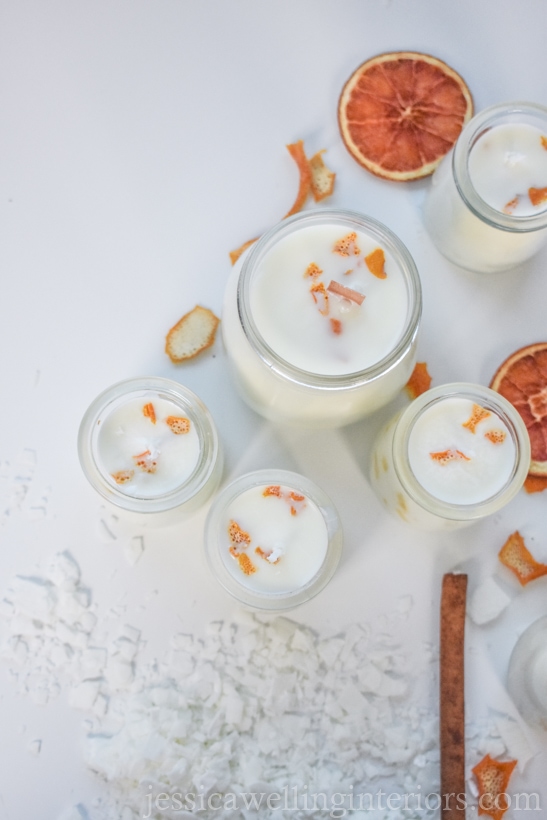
(34, 597)
(134, 550)
(518, 747)
(63, 571)
(35, 747)
(74, 813)
(83, 695)
(487, 602)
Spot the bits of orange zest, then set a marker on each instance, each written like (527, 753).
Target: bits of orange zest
(515, 556)
(291, 497)
(296, 150)
(179, 424)
(123, 476)
(346, 293)
(245, 563)
(296, 496)
(322, 180)
(347, 246)
(535, 483)
(537, 195)
(510, 206)
(320, 295)
(493, 779)
(266, 555)
(478, 414)
(348, 271)
(336, 326)
(149, 412)
(375, 262)
(313, 270)
(146, 462)
(234, 255)
(419, 382)
(496, 436)
(544, 142)
(446, 456)
(275, 489)
(237, 534)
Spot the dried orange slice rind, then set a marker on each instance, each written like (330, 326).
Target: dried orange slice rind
(322, 180)
(522, 380)
(419, 382)
(193, 333)
(492, 778)
(296, 150)
(400, 113)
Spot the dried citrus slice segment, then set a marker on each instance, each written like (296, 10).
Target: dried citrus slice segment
(522, 379)
(493, 779)
(400, 113)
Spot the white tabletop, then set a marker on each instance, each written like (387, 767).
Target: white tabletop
(140, 143)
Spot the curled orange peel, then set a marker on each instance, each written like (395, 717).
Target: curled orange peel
(296, 150)
(419, 382)
(478, 414)
(517, 557)
(234, 255)
(375, 262)
(492, 778)
(535, 483)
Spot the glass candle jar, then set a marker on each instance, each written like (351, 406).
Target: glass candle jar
(527, 677)
(320, 319)
(486, 209)
(458, 453)
(149, 445)
(273, 539)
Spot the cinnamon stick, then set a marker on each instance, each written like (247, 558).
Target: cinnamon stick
(452, 710)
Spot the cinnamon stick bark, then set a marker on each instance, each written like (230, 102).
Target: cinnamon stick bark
(452, 710)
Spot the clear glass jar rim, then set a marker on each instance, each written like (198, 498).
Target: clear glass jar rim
(460, 168)
(487, 398)
(193, 406)
(349, 219)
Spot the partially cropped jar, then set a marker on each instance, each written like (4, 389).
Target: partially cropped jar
(320, 319)
(527, 677)
(458, 453)
(486, 209)
(150, 447)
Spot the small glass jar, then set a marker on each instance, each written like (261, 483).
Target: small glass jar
(150, 447)
(305, 396)
(527, 676)
(431, 470)
(273, 539)
(470, 231)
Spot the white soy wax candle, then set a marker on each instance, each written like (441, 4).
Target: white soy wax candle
(527, 676)
(150, 446)
(320, 319)
(486, 209)
(273, 539)
(458, 453)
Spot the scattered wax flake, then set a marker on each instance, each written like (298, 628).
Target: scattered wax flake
(35, 747)
(134, 550)
(63, 571)
(419, 382)
(83, 695)
(487, 602)
(515, 741)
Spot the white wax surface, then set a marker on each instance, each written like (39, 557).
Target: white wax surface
(505, 162)
(290, 322)
(539, 677)
(299, 541)
(126, 432)
(439, 428)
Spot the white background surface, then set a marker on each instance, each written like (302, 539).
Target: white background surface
(140, 141)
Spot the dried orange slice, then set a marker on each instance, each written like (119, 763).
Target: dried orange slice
(522, 379)
(400, 113)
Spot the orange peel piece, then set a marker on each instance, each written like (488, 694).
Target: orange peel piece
(346, 293)
(313, 270)
(149, 412)
(146, 462)
(347, 246)
(535, 483)
(496, 436)
(237, 534)
(478, 414)
(179, 425)
(123, 476)
(320, 295)
(245, 563)
(446, 456)
(419, 382)
(265, 554)
(193, 333)
(517, 557)
(376, 262)
(275, 489)
(322, 180)
(296, 150)
(510, 206)
(544, 142)
(336, 326)
(492, 778)
(234, 255)
(537, 195)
